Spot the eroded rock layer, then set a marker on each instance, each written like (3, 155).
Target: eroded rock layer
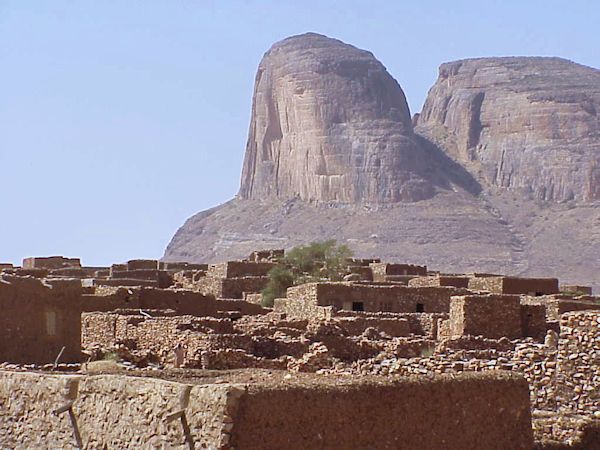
(530, 123)
(329, 123)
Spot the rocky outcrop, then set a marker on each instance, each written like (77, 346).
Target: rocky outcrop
(333, 154)
(520, 122)
(329, 123)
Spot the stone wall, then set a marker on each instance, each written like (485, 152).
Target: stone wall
(114, 411)
(179, 300)
(420, 324)
(302, 308)
(386, 298)
(491, 316)
(50, 262)
(576, 289)
(556, 307)
(533, 321)
(578, 362)
(514, 285)
(239, 269)
(230, 287)
(469, 412)
(357, 325)
(38, 319)
(441, 280)
(383, 270)
(159, 335)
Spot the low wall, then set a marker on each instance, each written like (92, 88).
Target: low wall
(115, 411)
(468, 412)
(488, 411)
(578, 362)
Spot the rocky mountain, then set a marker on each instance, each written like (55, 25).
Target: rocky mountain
(499, 174)
(329, 123)
(531, 124)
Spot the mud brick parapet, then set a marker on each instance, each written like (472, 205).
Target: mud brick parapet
(38, 319)
(440, 280)
(383, 271)
(181, 301)
(238, 269)
(50, 262)
(230, 287)
(115, 411)
(514, 285)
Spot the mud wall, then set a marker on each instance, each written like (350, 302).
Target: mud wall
(468, 412)
(488, 411)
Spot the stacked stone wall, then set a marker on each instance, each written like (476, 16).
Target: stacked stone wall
(182, 301)
(556, 307)
(239, 269)
(458, 282)
(111, 411)
(579, 362)
(491, 316)
(230, 287)
(50, 262)
(385, 298)
(382, 271)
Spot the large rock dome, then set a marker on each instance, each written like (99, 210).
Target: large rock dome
(329, 123)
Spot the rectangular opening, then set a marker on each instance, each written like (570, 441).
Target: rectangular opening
(358, 306)
(51, 323)
(420, 307)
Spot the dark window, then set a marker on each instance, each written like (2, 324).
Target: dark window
(420, 307)
(539, 294)
(358, 306)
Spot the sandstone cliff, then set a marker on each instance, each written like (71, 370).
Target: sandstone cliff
(329, 123)
(500, 174)
(524, 123)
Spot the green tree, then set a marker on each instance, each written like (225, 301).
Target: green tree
(280, 278)
(306, 263)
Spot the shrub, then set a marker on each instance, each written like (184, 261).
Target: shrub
(280, 278)
(306, 263)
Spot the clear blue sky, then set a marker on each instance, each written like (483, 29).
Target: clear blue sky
(120, 119)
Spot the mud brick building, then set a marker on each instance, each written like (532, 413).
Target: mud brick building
(38, 319)
(320, 299)
(557, 305)
(50, 262)
(440, 280)
(271, 255)
(123, 412)
(575, 289)
(396, 272)
(178, 300)
(493, 316)
(513, 285)
(234, 278)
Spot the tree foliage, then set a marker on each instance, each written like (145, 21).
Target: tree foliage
(306, 263)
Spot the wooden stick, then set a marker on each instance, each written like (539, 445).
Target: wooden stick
(186, 430)
(58, 357)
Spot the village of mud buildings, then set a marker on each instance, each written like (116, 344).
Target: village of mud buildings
(153, 354)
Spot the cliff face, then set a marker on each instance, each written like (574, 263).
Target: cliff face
(527, 123)
(329, 123)
(332, 154)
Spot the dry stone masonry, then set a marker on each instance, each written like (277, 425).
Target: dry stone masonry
(394, 321)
